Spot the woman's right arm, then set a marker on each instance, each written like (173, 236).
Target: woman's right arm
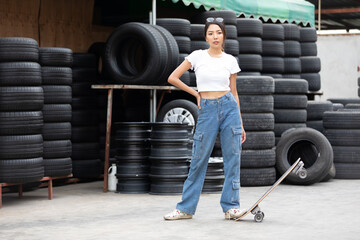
(174, 79)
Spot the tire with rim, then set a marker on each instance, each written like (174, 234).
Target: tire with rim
(179, 111)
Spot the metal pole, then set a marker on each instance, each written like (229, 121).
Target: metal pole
(153, 12)
(108, 133)
(319, 15)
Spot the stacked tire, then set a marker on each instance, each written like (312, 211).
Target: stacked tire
(310, 63)
(180, 29)
(249, 34)
(273, 50)
(56, 79)
(85, 121)
(290, 103)
(342, 128)
(258, 152)
(214, 178)
(292, 51)
(315, 111)
(21, 118)
(197, 42)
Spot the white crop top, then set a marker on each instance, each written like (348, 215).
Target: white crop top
(212, 73)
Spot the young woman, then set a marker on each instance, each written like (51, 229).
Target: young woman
(219, 110)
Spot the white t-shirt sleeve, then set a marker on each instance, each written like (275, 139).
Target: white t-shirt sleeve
(234, 66)
(194, 58)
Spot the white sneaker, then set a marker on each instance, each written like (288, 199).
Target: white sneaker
(233, 213)
(177, 214)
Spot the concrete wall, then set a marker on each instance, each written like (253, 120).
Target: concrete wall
(340, 61)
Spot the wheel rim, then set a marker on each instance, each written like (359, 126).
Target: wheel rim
(179, 115)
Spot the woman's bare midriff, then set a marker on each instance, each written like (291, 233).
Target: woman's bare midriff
(213, 94)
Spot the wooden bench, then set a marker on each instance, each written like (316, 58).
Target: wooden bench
(47, 180)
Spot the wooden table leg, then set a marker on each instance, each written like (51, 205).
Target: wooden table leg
(108, 134)
(50, 189)
(20, 190)
(0, 195)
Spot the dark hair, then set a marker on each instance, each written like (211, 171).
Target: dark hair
(222, 27)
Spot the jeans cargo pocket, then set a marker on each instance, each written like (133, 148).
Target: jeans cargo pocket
(197, 145)
(235, 197)
(236, 139)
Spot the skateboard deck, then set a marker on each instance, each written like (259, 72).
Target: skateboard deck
(297, 167)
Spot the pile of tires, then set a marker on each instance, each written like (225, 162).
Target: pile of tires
(292, 51)
(258, 152)
(132, 157)
(249, 36)
(342, 128)
(214, 178)
(273, 50)
(315, 111)
(169, 158)
(139, 53)
(180, 29)
(21, 118)
(56, 79)
(310, 63)
(85, 118)
(290, 102)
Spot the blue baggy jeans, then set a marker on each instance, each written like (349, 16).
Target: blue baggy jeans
(219, 114)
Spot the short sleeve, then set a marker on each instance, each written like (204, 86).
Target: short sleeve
(193, 58)
(234, 66)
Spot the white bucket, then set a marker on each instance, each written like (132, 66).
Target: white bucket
(112, 180)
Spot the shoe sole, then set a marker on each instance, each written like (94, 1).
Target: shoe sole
(181, 218)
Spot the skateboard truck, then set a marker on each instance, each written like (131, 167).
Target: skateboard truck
(300, 170)
(258, 214)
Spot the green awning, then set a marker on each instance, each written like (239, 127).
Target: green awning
(293, 11)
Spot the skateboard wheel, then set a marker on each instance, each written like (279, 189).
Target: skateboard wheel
(259, 216)
(303, 174)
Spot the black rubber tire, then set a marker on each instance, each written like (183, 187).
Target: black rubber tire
(84, 118)
(197, 32)
(57, 57)
(250, 45)
(255, 85)
(257, 176)
(85, 151)
(20, 74)
(291, 75)
(249, 27)
(273, 64)
(313, 80)
(256, 103)
(21, 98)
(84, 60)
(258, 121)
(258, 158)
(229, 16)
(184, 44)
(244, 73)
(280, 128)
(190, 107)
(291, 86)
(57, 94)
(185, 78)
(315, 124)
(343, 137)
(232, 47)
(315, 110)
(85, 75)
(273, 32)
(21, 146)
(57, 167)
(273, 75)
(16, 49)
(192, 79)
(331, 174)
(310, 64)
(347, 170)
(57, 149)
(290, 115)
(84, 134)
(197, 44)
(231, 32)
(308, 34)
(21, 123)
(344, 101)
(57, 131)
(313, 148)
(337, 106)
(98, 48)
(86, 169)
(292, 48)
(273, 48)
(250, 62)
(353, 106)
(346, 154)
(57, 112)
(85, 103)
(308, 49)
(176, 26)
(287, 101)
(259, 140)
(21, 170)
(56, 75)
(291, 32)
(82, 89)
(292, 65)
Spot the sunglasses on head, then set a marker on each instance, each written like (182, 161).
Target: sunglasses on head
(218, 19)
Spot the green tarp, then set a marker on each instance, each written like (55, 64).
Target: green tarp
(298, 11)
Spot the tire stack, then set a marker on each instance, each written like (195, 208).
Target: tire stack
(132, 156)
(169, 157)
(197, 42)
(273, 50)
(85, 121)
(342, 128)
(21, 118)
(180, 29)
(292, 51)
(290, 103)
(310, 63)
(57, 78)
(249, 34)
(214, 178)
(315, 111)
(258, 152)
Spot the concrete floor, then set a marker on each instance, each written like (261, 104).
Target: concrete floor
(82, 211)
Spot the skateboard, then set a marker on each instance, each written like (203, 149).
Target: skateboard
(297, 168)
